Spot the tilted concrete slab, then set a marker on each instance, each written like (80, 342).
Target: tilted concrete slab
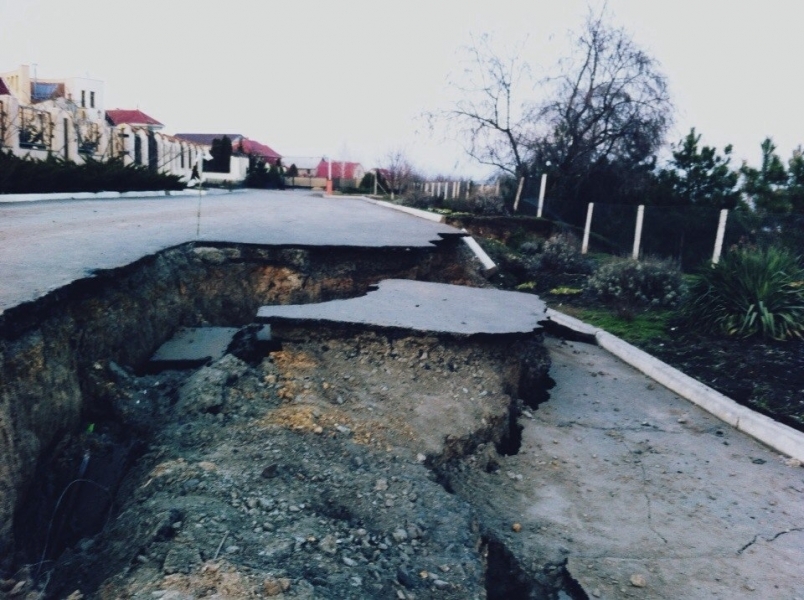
(47, 245)
(192, 346)
(423, 306)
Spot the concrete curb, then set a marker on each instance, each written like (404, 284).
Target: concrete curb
(13, 198)
(423, 214)
(778, 436)
(489, 266)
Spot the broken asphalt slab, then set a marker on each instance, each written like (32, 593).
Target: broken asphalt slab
(39, 241)
(423, 306)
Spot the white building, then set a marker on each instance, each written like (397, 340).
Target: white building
(40, 117)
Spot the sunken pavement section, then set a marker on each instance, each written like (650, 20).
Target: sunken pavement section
(360, 427)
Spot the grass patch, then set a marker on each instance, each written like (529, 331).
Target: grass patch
(635, 328)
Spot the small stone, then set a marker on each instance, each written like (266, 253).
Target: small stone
(270, 471)
(343, 429)
(232, 549)
(792, 462)
(349, 562)
(596, 593)
(274, 587)
(440, 584)
(399, 534)
(381, 485)
(318, 430)
(682, 420)
(638, 580)
(421, 457)
(328, 545)
(406, 579)
(516, 527)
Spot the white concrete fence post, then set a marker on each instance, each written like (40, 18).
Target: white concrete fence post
(587, 228)
(721, 232)
(518, 193)
(638, 231)
(542, 188)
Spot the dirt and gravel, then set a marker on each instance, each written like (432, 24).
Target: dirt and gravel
(309, 469)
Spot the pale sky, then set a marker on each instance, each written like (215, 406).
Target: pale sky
(351, 78)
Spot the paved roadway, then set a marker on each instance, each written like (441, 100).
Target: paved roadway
(46, 245)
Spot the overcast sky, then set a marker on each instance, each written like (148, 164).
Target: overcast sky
(351, 78)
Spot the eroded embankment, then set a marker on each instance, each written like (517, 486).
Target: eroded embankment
(312, 467)
(48, 347)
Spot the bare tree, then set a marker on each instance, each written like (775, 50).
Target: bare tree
(489, 114)
(610, 104)
(607, 103)
(397, 171)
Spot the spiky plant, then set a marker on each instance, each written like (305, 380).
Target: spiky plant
(751, 292)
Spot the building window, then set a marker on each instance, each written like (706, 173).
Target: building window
(181, 154)
(92, 99)
(89, 136)
(83, 99)
(35, 128)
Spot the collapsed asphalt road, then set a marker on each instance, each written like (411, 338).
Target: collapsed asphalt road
(350, 461)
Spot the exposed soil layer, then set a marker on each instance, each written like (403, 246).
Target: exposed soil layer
(312, 472)
(49, 348)
(313, 466)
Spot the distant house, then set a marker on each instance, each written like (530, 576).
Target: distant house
(341, 170)
(206, 138)
(306, 166)
(134, 118)
(241, 145)
(249, 147)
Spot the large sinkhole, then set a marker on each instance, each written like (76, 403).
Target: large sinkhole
(124, 483)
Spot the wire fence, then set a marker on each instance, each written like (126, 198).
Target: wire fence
(687, 235)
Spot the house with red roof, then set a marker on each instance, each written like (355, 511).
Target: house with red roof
(341, 169)
(134, 118)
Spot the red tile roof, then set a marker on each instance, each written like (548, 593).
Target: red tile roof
(130, 117)
(340, 168)
(3, 89)
(247, 146)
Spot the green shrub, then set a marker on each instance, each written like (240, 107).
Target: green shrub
(562, 254)
(54, 174)
(750, 292)
(651, 282)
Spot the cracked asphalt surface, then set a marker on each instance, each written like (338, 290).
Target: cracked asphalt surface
(638, 492)
(644, 494)
(46, 245)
